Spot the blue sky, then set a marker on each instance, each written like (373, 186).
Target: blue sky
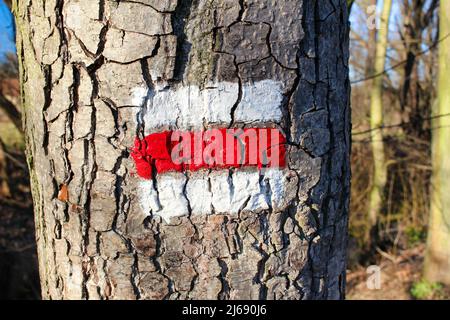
(6, 31)
(358, 19)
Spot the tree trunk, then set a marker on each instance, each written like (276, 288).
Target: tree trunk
(101, 76)
(376, 120)
(371, 42)
(414, 100)
(437, 259)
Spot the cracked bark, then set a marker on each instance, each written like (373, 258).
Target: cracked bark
(81, 62)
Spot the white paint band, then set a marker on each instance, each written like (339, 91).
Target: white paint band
(216, 192)
(189, 108)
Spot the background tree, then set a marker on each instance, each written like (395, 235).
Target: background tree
(437, 261)
(371, 41)
(402, 222)
(96, 74)
(415, 100)
(376, 119)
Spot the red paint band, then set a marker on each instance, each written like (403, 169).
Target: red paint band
(211, 149)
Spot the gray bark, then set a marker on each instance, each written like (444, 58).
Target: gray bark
(81, 61)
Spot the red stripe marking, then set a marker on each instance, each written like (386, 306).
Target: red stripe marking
(261, 147)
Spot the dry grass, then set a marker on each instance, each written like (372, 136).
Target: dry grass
(403, 221)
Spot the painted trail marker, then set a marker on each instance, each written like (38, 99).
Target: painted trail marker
(184, 169)
(214, 149)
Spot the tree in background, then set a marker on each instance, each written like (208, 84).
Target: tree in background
(406, 130)
(371, 41)
(437, 260)
(415, 99)
(376, 120)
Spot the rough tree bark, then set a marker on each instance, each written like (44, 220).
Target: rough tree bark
(437, 259)
(96, 74)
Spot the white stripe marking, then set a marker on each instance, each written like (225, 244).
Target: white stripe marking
(216, 192)
(188, 107)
